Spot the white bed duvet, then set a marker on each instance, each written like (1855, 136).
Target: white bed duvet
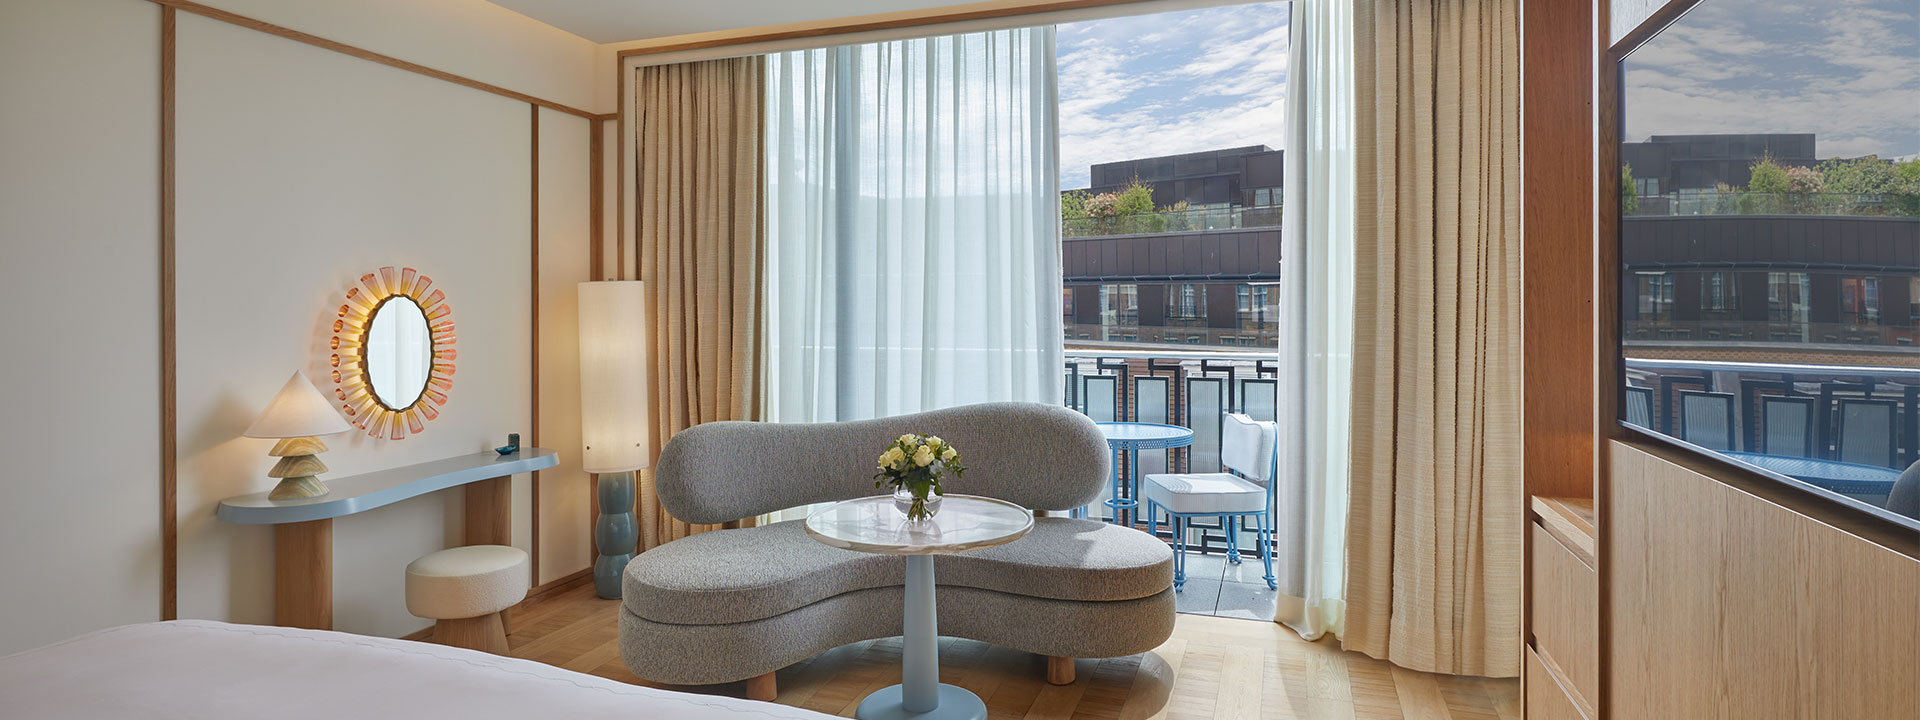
(217, 671)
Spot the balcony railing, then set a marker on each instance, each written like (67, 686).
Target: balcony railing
(1756, 203)
(1203, 337)
(1863, 337)
(1172, 222)
(1192, 390)
(1863, 415)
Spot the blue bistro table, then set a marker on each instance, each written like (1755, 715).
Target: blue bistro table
(1134, 437)
(1842, 477)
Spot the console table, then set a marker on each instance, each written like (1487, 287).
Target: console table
(303, 528)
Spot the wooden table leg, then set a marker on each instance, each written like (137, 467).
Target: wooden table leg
(303, 574)
(489, 521)
(489, 513)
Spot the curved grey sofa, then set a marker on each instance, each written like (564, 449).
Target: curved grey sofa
(732, 605)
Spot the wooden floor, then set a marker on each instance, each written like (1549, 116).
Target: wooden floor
(1211, 668)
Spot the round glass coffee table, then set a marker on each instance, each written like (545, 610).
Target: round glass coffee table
(874, 525)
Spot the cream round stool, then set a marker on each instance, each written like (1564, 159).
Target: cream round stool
(464, 589)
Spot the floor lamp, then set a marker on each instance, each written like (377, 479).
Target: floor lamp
(613, 417)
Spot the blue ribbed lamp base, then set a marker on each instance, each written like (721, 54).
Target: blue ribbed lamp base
(615, 534)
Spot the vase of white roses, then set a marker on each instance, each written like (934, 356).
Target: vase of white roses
(913, 465)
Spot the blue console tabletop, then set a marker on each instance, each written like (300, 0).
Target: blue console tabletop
(360, 493)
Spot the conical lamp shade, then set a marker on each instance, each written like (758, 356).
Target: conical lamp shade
(298, 411)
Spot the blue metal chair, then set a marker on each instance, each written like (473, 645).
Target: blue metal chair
(1249, 449)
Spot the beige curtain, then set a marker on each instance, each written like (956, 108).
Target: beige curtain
(699, 131)
(1434, 536)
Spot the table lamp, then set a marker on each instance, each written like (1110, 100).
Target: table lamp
(613, 416)
(296, 417)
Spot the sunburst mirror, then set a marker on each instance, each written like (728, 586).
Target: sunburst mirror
(392, 352)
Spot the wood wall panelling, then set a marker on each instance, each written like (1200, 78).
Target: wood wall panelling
(340, 47)
(169, 377)
(1727, 604)
(533, 303)
(1557, 222)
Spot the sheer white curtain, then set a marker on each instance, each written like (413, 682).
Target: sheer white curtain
(1316, 340)
(913, 242)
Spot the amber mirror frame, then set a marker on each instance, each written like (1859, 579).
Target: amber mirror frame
(353, 320)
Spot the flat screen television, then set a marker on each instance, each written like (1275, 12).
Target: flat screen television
(1770, 243)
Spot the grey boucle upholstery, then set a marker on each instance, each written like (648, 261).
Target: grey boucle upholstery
(707, 654)
(1041, 457)
(728, 605)
(730, 576)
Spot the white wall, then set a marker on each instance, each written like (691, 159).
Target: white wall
(79, 281)
(298, 169)
(472, 38)
(564, 263)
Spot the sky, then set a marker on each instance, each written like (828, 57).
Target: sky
(1170, 83)
(1846, 70)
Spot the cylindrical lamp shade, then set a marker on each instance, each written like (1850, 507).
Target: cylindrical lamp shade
(613, 376)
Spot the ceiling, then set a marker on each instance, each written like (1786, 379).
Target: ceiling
(612, 21)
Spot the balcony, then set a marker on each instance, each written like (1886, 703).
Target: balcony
(1192, 390)
(1843, 337)
(1160, 223)
(1150, 338)
(1755, 203)
(1858, 420)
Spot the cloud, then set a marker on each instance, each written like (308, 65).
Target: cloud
(1170, 83)
(1847, 72)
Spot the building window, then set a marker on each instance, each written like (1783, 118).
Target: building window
(1787, 294)
(1655, 293)
(1719, 295)
(1186, 304)
(1860, 300)
(1119, 311)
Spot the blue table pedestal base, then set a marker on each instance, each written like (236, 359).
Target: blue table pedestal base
(955, 703)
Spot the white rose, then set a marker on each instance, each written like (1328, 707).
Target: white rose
(949, 455)
(907, 439)
(923, 457)
(935, 440)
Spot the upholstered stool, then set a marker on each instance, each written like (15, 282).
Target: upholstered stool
(464, 589)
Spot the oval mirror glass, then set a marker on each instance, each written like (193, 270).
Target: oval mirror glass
(399, 352)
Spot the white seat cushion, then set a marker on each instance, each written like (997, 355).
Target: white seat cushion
(1204, 493)
(466, 582)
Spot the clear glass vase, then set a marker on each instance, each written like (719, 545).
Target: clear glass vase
(916, 509)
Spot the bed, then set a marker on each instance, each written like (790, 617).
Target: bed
(214, 670)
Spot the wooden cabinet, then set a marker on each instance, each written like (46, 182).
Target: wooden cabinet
(1547, 697)
(1563, 655)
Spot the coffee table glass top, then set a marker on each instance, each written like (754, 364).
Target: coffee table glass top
(874, 525)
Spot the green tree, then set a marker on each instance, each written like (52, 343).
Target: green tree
(1073, 204)
(1135, 199)
(1629, 196)
(1768, 176)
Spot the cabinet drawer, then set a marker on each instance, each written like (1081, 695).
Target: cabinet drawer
(1546, 699)
(1565, 609)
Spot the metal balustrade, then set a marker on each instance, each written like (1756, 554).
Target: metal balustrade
(1861, 414)
(1193, 390)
